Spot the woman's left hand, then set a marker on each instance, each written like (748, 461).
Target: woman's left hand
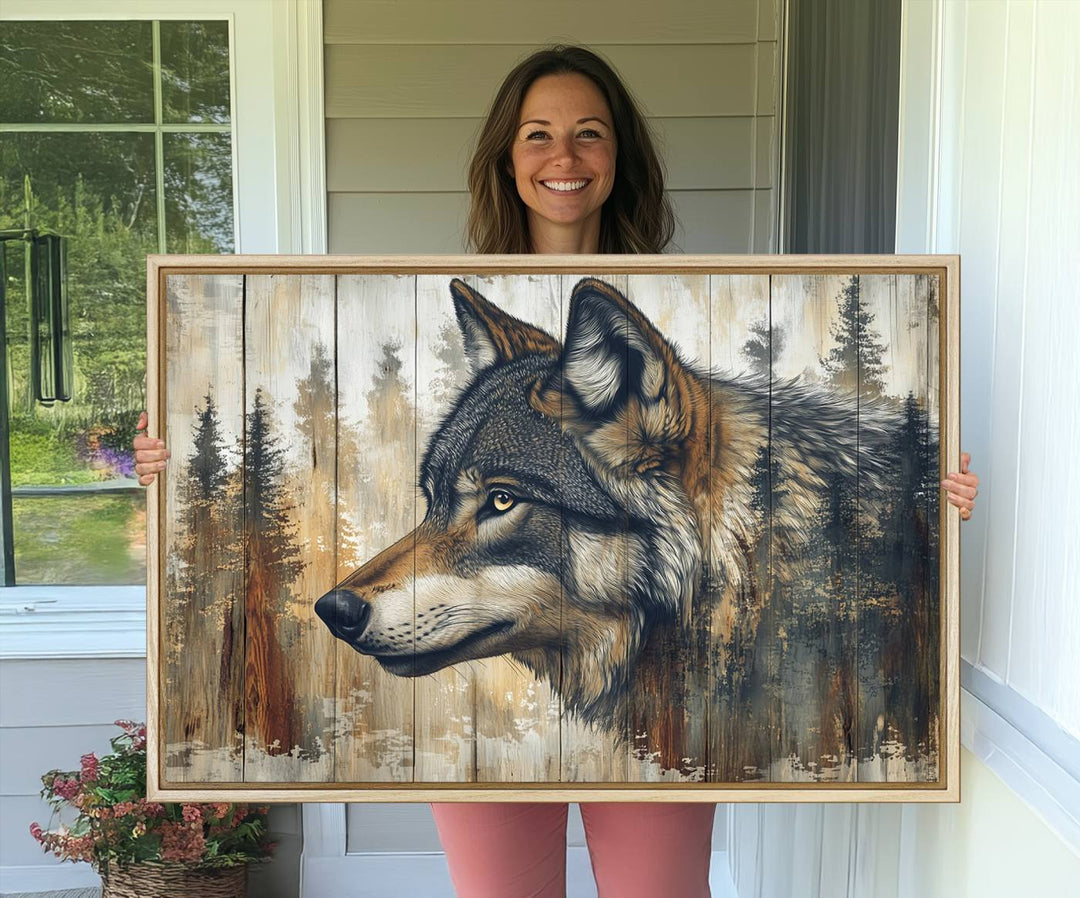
(962, 487)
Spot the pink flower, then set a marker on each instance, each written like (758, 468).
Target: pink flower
(150, 808)
(192, 814)
(123, 808)
(36, 831)
(89, 767)
(65, 788)
(181, 842)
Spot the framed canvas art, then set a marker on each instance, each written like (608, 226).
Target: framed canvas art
(554, 528)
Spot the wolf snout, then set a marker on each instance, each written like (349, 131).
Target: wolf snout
(344, 613)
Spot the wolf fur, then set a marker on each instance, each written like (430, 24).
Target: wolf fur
(629, 477)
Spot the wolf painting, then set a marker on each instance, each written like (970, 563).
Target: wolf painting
(475, 525)
(595, 506)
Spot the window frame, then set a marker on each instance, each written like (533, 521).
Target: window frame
(276, 58)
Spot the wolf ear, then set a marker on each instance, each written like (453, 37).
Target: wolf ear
(613, 353)
(491, 335)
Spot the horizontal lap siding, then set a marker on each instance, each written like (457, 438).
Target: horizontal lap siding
(479, 22)
(54, 711)
(408, 84)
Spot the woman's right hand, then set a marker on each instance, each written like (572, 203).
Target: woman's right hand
(150, 454)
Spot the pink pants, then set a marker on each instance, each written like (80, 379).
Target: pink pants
(518, 849)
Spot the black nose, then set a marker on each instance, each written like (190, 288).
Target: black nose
(344, 613)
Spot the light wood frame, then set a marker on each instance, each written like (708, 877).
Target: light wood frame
(946, 267)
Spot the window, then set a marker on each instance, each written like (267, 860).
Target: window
(117, 135)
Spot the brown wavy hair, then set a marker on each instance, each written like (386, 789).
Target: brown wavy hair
(637, 216)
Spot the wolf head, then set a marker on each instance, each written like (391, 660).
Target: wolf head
(564, 505)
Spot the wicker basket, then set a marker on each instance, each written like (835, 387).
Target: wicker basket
(148, 880)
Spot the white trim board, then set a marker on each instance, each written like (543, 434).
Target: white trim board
(39, 622)
(1044, 785)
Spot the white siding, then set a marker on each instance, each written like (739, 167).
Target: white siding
(1008, 200)
(408, 83)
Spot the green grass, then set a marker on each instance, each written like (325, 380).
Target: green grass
(82, 539)
(40, 458)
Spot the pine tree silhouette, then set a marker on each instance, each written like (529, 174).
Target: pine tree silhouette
(316, 421)
(273, 564)
(763, 346)
(208, 472)
(207, 590)
(855, 361)
(453, 371)
(390, 431)
(827, 620)
(905, 567)
(389, 400)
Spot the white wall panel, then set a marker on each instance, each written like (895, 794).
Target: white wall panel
(1045, 631)
(1011, 271)
(1003, 189)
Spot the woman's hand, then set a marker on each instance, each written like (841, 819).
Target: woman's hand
(962, 488)
(150, 454)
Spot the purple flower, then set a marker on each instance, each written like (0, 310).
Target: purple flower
(119, 462)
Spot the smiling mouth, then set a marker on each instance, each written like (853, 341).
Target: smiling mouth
(421, 663)
(574, 186)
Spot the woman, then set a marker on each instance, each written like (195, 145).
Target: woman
(565, 164)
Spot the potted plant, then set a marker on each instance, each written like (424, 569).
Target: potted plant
(142, 847)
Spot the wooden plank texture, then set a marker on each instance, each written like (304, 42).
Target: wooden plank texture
(668, 710)
(290, 500)
(803, 650)
(592, 753)
(204, 418)
(742, 714)
(376, 410)
(518, 715)
(819, 714)
(446, 700)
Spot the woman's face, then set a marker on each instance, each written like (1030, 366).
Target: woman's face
(563, 154)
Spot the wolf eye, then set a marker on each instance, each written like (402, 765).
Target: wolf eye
(502, 501)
